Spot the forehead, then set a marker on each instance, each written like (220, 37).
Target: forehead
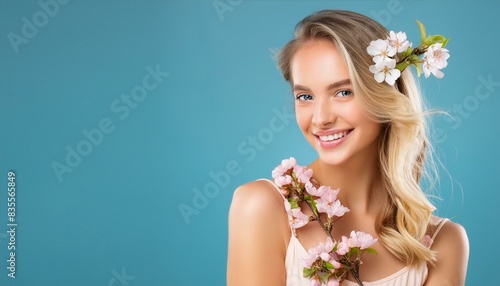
(318, 63)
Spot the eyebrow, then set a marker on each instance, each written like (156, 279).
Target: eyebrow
(330, 87)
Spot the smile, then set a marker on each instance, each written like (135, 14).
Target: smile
(332, 137)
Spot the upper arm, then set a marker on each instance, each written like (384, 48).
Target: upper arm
(452, 248)
(257, 231)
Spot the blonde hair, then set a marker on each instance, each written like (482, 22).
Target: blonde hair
(399, 109)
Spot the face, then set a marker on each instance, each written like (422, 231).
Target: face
(328, 112)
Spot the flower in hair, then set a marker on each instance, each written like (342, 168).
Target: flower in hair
(435, 60)
(394, 54)
(385, 70)
(399, 41)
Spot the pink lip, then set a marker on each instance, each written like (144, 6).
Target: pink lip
(333, 143)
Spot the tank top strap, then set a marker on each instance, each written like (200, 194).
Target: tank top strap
(274, 185)
(438, 228)
(279, 192)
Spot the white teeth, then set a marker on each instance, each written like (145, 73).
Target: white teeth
(332, 137)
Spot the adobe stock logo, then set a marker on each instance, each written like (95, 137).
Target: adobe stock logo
(221, 7)
(120, 278)
(29, 28)
(392, 8)
(463, 110)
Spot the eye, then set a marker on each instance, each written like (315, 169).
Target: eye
(303, 97)
(344, 93)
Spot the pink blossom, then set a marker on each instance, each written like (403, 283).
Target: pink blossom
(322, 250)
(398, 40)
(325, 256)
(285, 192)
(312, 255)
(334, 261)
(328, 194)
(311, 189)
(333, 282)
(303, 174)
(299, 219)
(282, 168)
(315, 281)
(334, 208)
(296, 218)
(427, 240)
(361, 240)
(283, 180)
(343, 246)
(329, 245)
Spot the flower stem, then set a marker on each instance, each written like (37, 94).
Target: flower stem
(357, 279)
(326, 228)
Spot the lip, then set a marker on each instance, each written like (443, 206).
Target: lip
(333, 143)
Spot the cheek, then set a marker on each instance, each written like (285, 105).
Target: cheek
(357, 115)
(302, 118)
(371, 127)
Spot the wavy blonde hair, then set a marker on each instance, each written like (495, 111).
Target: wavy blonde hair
(399, 109)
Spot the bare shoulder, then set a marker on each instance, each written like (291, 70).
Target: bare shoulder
(451, 236)
(259, 194)
(258, 236)
(451, 245)
(256, 203)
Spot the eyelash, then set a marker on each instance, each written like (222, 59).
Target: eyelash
(300, 97)
(345, 91)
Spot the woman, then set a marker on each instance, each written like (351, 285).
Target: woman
(371, 140)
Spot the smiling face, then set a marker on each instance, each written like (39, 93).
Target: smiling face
(327, 110)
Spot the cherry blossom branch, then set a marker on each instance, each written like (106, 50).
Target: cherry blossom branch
(329, 262)
(384, 52)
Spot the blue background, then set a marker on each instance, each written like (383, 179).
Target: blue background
(220, 118)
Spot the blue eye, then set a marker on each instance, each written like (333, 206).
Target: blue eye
(303, 97)
(344, 93)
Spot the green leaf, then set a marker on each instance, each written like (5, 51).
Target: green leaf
(329, 266)
(428, 41)
(293, 203)
(445, 42)
(353, 251)
(314, 208)
(437, 39)
(422, 30)
(323, 276)
(308, 272)
(413, 59)
(407, 52)
(402, 66)
(419, 70)
(371, 250)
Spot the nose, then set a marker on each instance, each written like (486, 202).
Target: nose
(324, 113)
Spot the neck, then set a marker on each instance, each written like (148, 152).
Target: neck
(360, 184)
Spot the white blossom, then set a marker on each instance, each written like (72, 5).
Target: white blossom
(381, 50)
(398, 40)
(435, 59)
(385, 70)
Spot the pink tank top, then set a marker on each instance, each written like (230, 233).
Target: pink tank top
(294, 264)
